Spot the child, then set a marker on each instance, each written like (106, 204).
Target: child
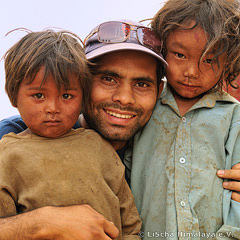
(195, 127)
(50, 163)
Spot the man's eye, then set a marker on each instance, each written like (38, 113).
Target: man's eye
(108, 79)
(141, 84)
(179, 55)
(66, 96)
(38, 96)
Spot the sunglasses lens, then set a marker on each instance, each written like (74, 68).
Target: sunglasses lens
(148, 37)
(112, 32)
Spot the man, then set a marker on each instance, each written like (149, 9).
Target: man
(116, 108)
(126, 76)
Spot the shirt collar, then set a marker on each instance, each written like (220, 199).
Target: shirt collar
(208, 100)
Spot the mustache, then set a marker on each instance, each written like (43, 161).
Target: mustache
(138, 111)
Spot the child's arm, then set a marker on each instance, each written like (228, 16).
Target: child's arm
(131, 221)
(231, 209)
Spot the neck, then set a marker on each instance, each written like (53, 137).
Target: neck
(118, 145)
(184, 104)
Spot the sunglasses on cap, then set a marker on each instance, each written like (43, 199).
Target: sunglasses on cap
(117, 32)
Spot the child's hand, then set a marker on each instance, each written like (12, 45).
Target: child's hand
(232, 174)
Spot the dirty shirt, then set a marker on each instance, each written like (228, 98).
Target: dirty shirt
(79, 167)
(174, 165)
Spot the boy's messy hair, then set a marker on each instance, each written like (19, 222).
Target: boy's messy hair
(60, 53)
(220, 19)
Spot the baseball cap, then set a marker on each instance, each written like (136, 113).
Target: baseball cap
(122, 35)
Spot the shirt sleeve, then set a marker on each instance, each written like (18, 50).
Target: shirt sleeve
(12, 124)
(231, 209)
(7, 188)
(131, 222)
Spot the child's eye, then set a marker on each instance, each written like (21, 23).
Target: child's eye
(209, 60)
(38, 96)
(66, 96)
(179, 55)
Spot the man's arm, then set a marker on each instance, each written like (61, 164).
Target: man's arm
(232, 174)
(66, 223)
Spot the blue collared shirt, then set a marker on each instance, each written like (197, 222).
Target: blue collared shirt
(174, 165)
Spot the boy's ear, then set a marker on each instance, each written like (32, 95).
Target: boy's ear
(14, 105)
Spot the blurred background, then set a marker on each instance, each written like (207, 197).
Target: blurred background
(77, 16)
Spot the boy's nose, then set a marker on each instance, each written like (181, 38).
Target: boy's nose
(52, 106)
(192, 70)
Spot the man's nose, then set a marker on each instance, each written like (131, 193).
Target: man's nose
(124, 94)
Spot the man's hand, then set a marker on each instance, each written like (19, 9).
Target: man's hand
(79, 222)
(232, 174)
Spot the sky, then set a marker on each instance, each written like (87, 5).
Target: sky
(77, 16)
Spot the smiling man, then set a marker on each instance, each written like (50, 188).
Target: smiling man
(124, 93)
(127, 71)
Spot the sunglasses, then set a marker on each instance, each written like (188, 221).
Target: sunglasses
(117, 32)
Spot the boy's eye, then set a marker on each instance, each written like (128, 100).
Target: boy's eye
(66, 96)
(179, 55)
(209, 61)
(38, 96)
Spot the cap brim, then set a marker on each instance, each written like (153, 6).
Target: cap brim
(122, 46)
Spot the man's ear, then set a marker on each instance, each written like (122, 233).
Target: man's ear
(161, 84)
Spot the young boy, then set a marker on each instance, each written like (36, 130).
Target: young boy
(195, 127)
(47, 79)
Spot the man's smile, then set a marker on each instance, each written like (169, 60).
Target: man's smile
(119, 115)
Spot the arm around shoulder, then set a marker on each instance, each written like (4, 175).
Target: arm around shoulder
(65, 223)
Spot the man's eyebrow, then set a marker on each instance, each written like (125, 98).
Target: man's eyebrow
(115, 74)
(107, 72)
(144, 79)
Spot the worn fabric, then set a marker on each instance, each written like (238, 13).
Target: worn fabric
(77, 168)
(174, 165)
(16, 125)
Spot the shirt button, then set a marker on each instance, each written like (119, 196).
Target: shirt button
(184, 119)
(182, 203)
(182, 160)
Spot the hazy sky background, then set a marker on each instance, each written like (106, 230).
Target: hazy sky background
(77, 16)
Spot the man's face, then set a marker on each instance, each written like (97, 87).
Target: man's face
(123, 95)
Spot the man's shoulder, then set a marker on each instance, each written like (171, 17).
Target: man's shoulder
(12, 124)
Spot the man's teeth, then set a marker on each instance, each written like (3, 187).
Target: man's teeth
(119, 115)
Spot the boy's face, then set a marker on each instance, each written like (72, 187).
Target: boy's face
(123, 95)
(188, 77)
(47, 111)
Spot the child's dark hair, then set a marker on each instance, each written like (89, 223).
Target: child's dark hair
(220, 19)
(60, 53)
